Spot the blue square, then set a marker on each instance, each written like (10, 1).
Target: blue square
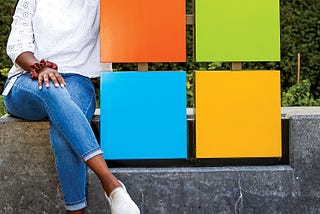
(143, 115)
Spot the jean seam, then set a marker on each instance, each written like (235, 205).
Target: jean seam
(74, 204)
(88, 106)
(90, 152)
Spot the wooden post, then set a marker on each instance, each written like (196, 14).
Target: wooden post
(236, 66)
(190, 19)
(143, 66)
(299, 65)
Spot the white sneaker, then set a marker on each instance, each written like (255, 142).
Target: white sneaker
(121, 202)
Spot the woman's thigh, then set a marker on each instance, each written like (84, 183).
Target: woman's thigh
(25, 100)
(82, 92)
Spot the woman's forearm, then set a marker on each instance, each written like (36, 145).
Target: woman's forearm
(26, 59)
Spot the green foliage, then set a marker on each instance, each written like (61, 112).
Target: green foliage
(4, 73)
(299, 95)
(300, 33)
(6, 8)
(2, 107)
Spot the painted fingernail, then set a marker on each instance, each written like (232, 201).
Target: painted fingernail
(56, 85)
(62, 86)
(40, 87)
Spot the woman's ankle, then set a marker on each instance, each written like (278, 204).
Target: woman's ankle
(110, 183)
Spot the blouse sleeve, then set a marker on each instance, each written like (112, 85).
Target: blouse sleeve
(21, 37)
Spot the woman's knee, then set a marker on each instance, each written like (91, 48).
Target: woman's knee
(54, 94)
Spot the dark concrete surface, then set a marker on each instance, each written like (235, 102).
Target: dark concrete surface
(29, 184)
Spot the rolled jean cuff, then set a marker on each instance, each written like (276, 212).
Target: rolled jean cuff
(78, 206)
(92, 154)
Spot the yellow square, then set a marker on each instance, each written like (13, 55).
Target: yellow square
(238, 114)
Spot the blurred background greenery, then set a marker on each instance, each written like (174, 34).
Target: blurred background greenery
(300, 33)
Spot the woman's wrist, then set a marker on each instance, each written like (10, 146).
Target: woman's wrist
(25, 59)
(37, 67)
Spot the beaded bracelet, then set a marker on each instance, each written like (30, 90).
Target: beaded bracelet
(36, 68)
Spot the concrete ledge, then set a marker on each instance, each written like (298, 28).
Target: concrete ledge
(29, 183)
(300, 112)
(28, 179)
(206, 190)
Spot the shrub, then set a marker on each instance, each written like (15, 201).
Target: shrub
(4, 73)
(2, 107)
(6, 8)
(299, 95)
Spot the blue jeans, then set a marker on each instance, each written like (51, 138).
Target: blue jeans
(69, 110)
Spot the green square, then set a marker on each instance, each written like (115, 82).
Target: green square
(237, 30)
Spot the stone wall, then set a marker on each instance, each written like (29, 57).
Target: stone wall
(29, 184)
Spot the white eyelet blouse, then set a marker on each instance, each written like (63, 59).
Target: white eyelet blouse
(65, 32)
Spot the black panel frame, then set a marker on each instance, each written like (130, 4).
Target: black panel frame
(192, 161)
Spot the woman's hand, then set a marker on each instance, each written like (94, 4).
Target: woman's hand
(27, 59)
(48, 74)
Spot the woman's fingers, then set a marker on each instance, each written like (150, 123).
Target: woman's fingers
(50, 74)
(60, 79)
(43, 76)
(54, 79)
(40, 79)
(46, 80)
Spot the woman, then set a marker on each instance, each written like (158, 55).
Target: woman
(55, 49)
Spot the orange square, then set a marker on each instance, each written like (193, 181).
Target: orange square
(143, 31)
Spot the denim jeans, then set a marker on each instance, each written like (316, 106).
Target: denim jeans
(69, 110)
